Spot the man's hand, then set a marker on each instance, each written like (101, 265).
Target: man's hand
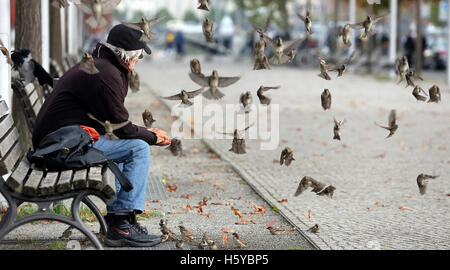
(161, 135)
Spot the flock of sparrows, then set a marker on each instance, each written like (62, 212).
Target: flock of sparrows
(283, 52)
(206, 243)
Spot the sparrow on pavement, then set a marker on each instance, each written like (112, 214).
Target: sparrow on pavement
(238, 241)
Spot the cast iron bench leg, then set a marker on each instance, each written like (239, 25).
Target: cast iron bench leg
(97, 213)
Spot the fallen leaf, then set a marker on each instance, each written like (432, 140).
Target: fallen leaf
(214, 156)
(309, 214)
(194, 150)
(218, 185)
(45, 222)
(276, 161)
(205, 214)
(187, 196)
(200, 180)
(172, 187)
(379, 204)
(407, 196)
(155, 201)
(299, 129)
(284, 141)
(225, 230)
(317, 155)
(225, 239)
(236, 211)
(214, 195)
(388, 180)
(380, 155)
(283, 200)
(254, 222)
(404, 208)
(259, 208)
(221, 203)
(270, 223)
(324, 143)
(174, 212)
(242, 221)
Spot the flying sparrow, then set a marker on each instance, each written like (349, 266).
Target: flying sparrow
(402, 67)
(337, 129)
(281, 48)
(184, 96)
(208, 30)
(416, 93)
(307, 182)
(109, 127)
(307, 20)
(147, 117)
(238, 144)
(392, 124)
(261, 61)
(175, 147)
(328, 191)
(422, 182)
(133, 81)
(97, 9)
(326, 99)
(345, 33)
(287, 156)
(410, 75)
(195, 66)
(367, 26)
(213, 82)
(435, 94)
(323, 67)
(203, 4)
(264, 99)
(145, 25)
(246, 99)
(341, 68)
(275, 231)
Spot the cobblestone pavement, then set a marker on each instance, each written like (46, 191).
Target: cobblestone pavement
(199, 174)
(377, 203)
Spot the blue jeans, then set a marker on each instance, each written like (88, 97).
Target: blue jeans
(133, 158)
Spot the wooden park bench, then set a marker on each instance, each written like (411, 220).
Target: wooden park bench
(30, 100)
(24, 183)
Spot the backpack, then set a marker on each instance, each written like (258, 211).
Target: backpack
(71, 148)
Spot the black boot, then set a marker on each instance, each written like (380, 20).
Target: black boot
(124, 231)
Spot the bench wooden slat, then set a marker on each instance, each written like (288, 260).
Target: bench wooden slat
(32, 184)
(79, 179)
(33, 98)
(12, 157)
(29, 88)
(3, 108)
(6, 122)
(109, 182)
(47, 186)
(64, 182)
(18, 177)
(94, 179)
(37, 107)
(8, 141)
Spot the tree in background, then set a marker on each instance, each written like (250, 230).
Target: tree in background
(190, 16)
(27, 36)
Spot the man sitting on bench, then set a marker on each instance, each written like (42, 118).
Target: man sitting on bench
(103, 95)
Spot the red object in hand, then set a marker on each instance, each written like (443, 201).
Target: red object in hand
(94, 134)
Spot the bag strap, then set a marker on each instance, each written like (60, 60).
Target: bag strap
(123, 180)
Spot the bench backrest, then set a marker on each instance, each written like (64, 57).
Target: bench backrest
(11, 150)
(30, 100)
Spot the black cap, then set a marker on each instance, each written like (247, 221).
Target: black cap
(127, 38)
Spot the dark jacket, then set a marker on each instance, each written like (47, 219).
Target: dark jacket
(103, 95)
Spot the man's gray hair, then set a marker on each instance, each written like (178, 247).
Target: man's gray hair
(125, 55)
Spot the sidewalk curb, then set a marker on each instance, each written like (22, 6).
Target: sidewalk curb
(318, 244)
